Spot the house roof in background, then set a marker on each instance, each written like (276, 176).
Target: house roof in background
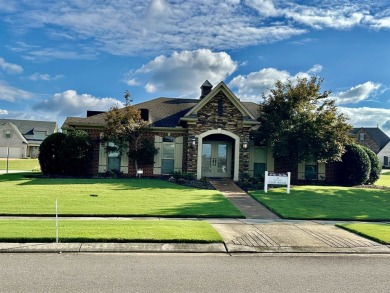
(375, 133)
(28, 126)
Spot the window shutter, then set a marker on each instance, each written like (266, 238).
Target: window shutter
(102, 158)
(178, 153)
(270, 161)
(321, 171)
(301, 171)
(157, 157)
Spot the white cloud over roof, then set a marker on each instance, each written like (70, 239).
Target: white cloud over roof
(11, 94)
(185, 71)
(357, 93)
(70, 103)
(9, 67)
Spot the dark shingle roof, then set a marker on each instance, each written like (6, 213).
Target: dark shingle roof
(375, 133)
(163, 112)
(27, 127)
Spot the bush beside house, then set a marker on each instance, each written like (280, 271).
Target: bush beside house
(356, 166)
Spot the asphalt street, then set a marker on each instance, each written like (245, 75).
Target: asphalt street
(89, 272)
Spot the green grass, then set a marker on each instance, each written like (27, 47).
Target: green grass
(376, 232)
(384, 179)
(328, 203)
(20, 164)
(108, 231)
(109, 197)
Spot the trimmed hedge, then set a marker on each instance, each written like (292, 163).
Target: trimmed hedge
(48, 157)
(375, 166)
(356, 166)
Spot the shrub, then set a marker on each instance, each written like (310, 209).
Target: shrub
(48, 157)
(375, 166)
(356, 166)
(75, 153)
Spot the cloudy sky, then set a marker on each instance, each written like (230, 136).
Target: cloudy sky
(61, 58)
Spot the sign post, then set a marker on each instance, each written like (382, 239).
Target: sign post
(7, 158)
(277, 179)
(56, 207)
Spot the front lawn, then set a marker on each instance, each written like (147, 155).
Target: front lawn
(376, 232)
(20, 164)
(109, 197)
(327, 203)
(108, 231)
(384, 179)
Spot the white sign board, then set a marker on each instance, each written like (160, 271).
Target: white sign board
(277, 179)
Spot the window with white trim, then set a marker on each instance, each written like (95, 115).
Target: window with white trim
(113, 158)
(168, 158)
(8, 133)
(361, 136)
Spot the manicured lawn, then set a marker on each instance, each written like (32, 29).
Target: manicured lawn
(111, 197)
(328, 202)
(107, 231)
(376, 232)
(20, 164)
(384, 179)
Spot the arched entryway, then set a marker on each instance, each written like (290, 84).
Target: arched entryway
(218, 154)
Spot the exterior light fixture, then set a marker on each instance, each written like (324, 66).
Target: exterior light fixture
(192, 140)
(244, 145)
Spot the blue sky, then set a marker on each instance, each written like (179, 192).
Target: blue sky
(62, 58)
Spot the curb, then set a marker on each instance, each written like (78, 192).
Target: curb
(180, 248)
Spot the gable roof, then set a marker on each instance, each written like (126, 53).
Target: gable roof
(375, 133)
(29, 126)
(222, 87)
(15, 129)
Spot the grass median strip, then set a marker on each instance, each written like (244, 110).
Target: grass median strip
(328, 203)
(176, 231)
(376, 232)
(109, 197)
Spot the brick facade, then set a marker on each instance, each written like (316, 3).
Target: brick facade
(367, 141)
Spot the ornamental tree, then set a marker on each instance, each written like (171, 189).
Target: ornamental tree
(299, 121)
(126, 130)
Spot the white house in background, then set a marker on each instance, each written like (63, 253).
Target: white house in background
(22, 138)
(376, 140)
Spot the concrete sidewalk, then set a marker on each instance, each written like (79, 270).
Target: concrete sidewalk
(239, 236)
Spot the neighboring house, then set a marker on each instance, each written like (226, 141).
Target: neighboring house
(376, 140)
(22, 138)
(210, 137)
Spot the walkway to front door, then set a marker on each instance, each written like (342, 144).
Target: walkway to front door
(251, 208)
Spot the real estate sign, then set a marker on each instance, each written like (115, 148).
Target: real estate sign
(272, 178)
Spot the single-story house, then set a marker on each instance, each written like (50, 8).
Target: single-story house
(376, 140)
(22, 138)
(212, 136)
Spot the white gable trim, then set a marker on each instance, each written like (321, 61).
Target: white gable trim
(16, 130)
(221, 87)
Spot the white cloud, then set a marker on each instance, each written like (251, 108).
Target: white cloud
(186, 71)
(132, 82)
(3, 112)
(9, 67)
(357, 93)
(367, 117)
(12, 94)
(263, 7)
(70, 103)
(250, 87)
(45, 77)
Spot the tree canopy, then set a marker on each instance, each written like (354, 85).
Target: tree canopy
(298, 121)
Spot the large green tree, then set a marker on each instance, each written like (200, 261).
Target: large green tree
(299, 122)
(126, 130)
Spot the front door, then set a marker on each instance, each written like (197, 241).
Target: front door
(216, 159)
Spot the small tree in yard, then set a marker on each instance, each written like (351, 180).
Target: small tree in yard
(48, 157)
(298, 122)
(126, 130)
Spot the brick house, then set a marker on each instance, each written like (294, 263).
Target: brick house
(376, 140)
(22, 138)
(210, 137)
